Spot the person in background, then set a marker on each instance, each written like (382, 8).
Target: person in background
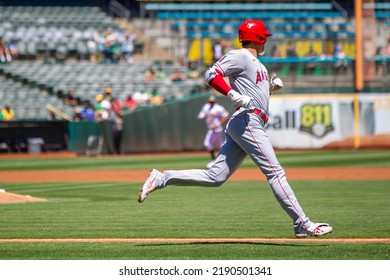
(311, 65)
(150, 75)
(108, 92)
(117, 128)
(70, 99)
(77, 115)
(87, 113)
(215, 116)
(386, 53)
(218, 50)
(116, 105)
(130, 103)
(177, 76)
(155, 97)
(8, 114)
(161, 74)
(98, 106)
(106, 107)
(127, 48)
(141, 97)
(291, 53)
(5, 54)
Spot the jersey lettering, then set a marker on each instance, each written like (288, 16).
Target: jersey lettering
(261, 76)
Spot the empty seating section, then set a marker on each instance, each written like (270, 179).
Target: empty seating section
(246, 6)
(47, 30)
(280, 29)
(241, 10)
(87, 79)
(382, 9)
(80, 17)
(319, 19)
(28, 101)
(243, 15)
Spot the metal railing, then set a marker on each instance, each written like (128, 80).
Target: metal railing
(117, 9)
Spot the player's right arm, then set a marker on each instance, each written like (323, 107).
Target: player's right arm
(214, 78)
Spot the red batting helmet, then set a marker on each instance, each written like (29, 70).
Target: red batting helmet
(253, 30)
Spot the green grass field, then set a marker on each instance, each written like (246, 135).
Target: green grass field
(355, 209)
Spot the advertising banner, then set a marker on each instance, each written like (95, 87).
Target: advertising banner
(314, 121)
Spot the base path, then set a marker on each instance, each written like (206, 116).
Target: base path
(199, 240)
(243, 174)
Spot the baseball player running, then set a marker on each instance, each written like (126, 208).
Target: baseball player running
(250, 89)
(215, 116)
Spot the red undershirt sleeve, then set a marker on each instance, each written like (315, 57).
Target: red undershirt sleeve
(220, 85)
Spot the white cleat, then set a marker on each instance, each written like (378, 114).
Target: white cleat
(316, 229)
(149, 186)
(211, 163)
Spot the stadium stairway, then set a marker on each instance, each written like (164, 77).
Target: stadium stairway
(151, 50)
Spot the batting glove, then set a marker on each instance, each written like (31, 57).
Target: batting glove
(275, 83)
(239, 99)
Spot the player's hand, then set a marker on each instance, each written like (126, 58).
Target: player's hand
(275, 83)
(239, 99)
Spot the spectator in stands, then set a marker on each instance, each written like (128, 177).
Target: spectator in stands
(141, 97)
(5, 54)
(70, 99)
(386, 53)
(127, 48)
(276, 53)
(8, 114)
(92, 50)
(218, 50)
(155, 97)
(13, 48)
(290, 52)
(116, 105)
(177, 76)
(87, 113)
(130, 103)
(386, 49)
(311, 65)
(106, 107)
(77, 115)
(108, 92)
(161, 74)
(337, 49)
(150, 75)
(108, 51)
(341, 63)
(379, 65)
(98, 106)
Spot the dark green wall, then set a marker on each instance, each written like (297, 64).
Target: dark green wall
(169, 127)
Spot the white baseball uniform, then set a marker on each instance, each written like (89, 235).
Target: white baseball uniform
(245, 135)
(213, 114)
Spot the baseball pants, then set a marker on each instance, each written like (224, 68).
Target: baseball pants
(245, 135)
